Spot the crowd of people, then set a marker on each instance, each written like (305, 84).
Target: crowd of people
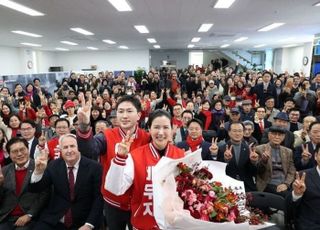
(82, 158)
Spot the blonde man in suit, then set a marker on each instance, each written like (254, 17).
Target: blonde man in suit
(276, 170)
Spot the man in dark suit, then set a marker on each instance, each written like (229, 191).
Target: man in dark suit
(305, 197)
(19, 207)
(28, 130)
(260, 124)
(76, 202)
(264, 89)
(304, 154)
(240, 157)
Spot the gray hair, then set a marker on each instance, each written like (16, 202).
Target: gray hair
(65, 136)
(247, 122)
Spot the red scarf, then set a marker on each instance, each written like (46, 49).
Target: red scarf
(208, 116)
(193, 144)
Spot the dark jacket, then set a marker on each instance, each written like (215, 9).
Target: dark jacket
(205, 152)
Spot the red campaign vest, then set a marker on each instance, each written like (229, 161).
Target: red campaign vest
(113, 136)
(142, 194)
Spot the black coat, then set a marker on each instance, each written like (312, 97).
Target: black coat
(297, 157)
(87, 206)
(244, 170)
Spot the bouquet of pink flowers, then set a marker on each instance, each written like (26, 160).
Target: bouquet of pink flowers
(206, 200)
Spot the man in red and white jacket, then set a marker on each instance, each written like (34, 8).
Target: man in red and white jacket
(117, 208)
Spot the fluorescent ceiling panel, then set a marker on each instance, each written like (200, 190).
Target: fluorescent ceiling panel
(142, 29)
(109, 42)
(205, 27)
(69, 43)
(156, 46)
(30, 44)
(151, 40)
(26, 33)
(62, 49)
(121, 5)
(223, 4)
(21, 8)
(195, 39)
(259, 46)
(241, 39)
(225, 45)
(271, 26)
(123, 47)
(92, 48)
(81, 31)
(190, 46)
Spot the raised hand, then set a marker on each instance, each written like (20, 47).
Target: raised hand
(266, 153)
(1, 177)
(306, 155)
(254, 157)
(222, 124)
(85, 110)
(41, 162)
(299, 185)
(214, 146)
(228, 153)
(124, 146)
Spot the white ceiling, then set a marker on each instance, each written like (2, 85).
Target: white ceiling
(173, 23)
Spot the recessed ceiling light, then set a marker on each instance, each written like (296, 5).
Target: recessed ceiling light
(156, 46)
(195, 39)
(81, 31)
(62, 49)
(123, 47)
(241, 39)
(121, 5)
(290, 45)
(223, 4)
(20, 8)
(316, 4)
(26, 33)
(151, 40)
(69, 43)
(30, 44)
(225, 45)
(258, 46)
(190, 46)
(205, 27)
(92, 48)
(142, 29)
(109, 42)
(271, 26)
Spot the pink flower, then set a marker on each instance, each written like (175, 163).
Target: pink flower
(232, 216)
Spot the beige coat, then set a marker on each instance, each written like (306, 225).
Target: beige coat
(265, 169)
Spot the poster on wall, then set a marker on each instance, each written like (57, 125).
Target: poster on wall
(48, 80)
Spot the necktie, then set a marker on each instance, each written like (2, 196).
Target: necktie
(261, 126)
(68, 215)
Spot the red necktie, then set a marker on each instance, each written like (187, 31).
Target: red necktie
(261, 126)
(68, 215)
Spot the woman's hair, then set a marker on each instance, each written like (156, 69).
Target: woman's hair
(14, 115)
(3, 139)
(158, 113)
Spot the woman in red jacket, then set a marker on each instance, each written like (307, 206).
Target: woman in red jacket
(133, 171)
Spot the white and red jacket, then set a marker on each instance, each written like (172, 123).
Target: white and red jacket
(134, 172)
(113, 137)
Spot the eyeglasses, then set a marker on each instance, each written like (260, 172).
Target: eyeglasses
(16, 151)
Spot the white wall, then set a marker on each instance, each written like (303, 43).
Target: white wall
(45, 59)
(10, 60)
(105, 60)
(291, 59)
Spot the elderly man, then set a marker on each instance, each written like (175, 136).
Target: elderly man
(76, 201)
(19, 207)
(301, 136)
(275, 168)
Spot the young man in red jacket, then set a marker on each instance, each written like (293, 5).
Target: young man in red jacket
(117, 208)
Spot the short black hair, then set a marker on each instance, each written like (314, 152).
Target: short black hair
(158, 113)
(186, 111)
(28, 121)
(132, 99)
(313, 124)
(195, 120)
(60, 120)
(234, 123)
(14, 140)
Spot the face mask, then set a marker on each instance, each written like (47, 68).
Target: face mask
(129, 93)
